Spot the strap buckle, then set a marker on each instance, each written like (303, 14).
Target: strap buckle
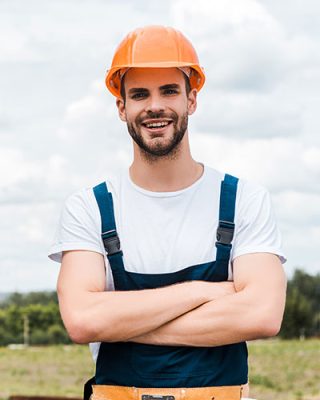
(225, 232)
(111, 242)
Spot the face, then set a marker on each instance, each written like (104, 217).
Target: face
(156, 110)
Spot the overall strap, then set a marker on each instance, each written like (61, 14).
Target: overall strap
(109, 233)
(225, 230)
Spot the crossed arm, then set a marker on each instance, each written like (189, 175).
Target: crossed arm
(254, 310)
(193, 313)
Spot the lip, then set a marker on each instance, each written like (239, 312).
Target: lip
(155, 120)
(158, 130)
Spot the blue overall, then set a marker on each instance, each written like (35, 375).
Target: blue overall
(144, 365)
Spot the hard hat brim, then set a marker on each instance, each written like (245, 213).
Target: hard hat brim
(113, 77)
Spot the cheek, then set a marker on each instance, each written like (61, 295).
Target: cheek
(181, 105)
(132, 113)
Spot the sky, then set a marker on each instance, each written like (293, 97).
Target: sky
(257, 116)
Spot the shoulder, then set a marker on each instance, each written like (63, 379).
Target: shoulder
(249, 191)
(253, 204)
(213, 175)
(256, 229)
(79, 226)
(252, 199)
(245, 188)
(79, 202)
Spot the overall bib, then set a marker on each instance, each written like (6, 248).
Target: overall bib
(144, 365)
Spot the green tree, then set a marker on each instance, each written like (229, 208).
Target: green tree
(24, 299)
(302, 312)
(297, 319)
(41, 310)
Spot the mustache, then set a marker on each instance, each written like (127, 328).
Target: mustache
(156, 115)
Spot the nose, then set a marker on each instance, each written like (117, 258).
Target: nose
(155, 104)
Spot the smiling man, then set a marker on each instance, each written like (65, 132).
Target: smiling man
(167, 269)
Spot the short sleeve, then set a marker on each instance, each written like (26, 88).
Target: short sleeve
(256, 227)
(79, 226)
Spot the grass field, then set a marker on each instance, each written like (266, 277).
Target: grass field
(279, 370)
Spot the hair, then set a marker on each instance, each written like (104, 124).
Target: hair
(123, 91)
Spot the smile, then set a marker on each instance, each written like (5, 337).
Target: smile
(156, 124)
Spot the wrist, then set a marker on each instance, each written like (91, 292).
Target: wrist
(197, 290)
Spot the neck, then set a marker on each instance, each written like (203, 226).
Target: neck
(166, 174)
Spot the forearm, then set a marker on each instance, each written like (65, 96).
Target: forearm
(118, 316)
(254, 311)
(231, 319)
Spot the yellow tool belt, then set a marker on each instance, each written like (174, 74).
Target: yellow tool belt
(108, 392)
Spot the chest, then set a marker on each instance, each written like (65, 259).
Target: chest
(166, 234)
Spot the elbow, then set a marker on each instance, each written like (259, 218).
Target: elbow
(267, 326)
(267, 318)
(84, 331)
(271, 329)
(79, 337)
(78, 330)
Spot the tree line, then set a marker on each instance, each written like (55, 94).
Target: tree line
(31, 318)
(302, 312)
(34, 318)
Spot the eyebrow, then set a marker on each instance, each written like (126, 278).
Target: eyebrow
(163, 87)
(170, 86)
(137, 90)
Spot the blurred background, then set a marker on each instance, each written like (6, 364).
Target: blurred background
(257, 118)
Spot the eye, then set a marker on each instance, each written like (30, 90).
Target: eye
(139, 95)
(170, 91)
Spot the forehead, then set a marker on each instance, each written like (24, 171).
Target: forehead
(152, 77)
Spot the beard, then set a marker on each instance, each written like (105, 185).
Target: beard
(159, 149)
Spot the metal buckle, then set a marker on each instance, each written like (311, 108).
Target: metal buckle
(225, 232)
(157, 397)
(111, 242)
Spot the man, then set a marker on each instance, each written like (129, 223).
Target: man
(166, 305)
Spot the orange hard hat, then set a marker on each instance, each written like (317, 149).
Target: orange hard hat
(154, 47)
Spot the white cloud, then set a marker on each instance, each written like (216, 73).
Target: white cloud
(33, 180)
(215, 15)
(92, 135)
(311, 159)
(299, 209)
(27, 231)
(299, 243)
(280, 164)
(298, 16)
(87, 115)
(27, 275)
(248, 115)
(16, 167)
(14, 46)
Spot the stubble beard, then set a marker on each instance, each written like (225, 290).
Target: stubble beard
(159, 150)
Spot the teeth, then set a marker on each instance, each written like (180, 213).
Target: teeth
(157, 124)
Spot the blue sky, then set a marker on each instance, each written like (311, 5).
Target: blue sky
(257, 115)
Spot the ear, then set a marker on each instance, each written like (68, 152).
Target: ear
(192, 101)
(121, 109)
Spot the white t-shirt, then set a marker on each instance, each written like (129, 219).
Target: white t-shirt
(163, 232)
